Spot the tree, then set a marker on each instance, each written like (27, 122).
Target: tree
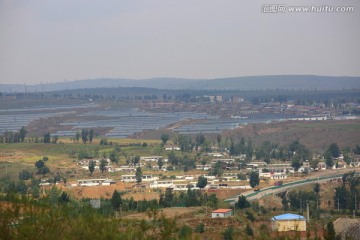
(329, 161)
(116, 200)
(92, 165)
(84, 135)
(218, 139)
(77, 136)
(347, 159)
(202, 182)
(102, 165)
(314, 163)
(254, 179)
(114, 156)
(22, 133)
(24, 175)
(185, 143)
(296, 162)
(39, 164)
(47, 137)
(64, 197)
(199, 140)
(44, 170)
(138, 175)
(217, 169)
(242, 203)
(317, 188)
(160, 163)
(334, 150)
(136, 160)
(91, 135)
(241, 176)
(330, 231)
(164, 138)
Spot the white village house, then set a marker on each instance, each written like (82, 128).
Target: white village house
(222, 213)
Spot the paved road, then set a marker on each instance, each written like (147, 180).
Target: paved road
(252, 195)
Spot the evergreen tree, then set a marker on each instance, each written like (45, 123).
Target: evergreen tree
(330, 231)
(22, 134)
(84, 135)
(102, 165)
(138, 175)
(116, 200)
(92, 165)
(47, 138)
(242, 203)
(334, 150)
(91, 135)
(254, 179)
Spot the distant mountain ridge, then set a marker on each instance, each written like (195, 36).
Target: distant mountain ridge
(270, 82)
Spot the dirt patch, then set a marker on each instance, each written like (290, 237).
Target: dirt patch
(107, 191)
(168, 212)
(268, 130)
(226, 193)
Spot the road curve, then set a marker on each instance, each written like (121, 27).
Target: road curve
(252, 195)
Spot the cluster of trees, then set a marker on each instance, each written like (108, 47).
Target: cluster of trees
(85, 135)
(47, 138)
(332, 152)
(184, 163)
(41, 166)
(78, 220)
(169, 199)
(13, 137)
(347, 196)
(298, 200)
(187, 199)
(241, 147)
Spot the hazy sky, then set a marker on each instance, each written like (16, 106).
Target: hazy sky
(57, 40)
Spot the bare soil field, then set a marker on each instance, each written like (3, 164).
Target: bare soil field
(315, 135)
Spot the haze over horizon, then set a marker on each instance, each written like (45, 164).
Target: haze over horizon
(54, 41)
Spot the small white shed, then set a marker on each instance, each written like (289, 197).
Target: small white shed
(222, 213)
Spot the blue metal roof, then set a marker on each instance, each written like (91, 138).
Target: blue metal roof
(288, 216)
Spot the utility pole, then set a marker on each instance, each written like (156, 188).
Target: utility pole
(338, 205)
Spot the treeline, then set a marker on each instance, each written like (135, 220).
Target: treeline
(58, 217)
(187, 198)
(13, 137)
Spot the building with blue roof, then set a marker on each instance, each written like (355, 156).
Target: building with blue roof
(288, 222)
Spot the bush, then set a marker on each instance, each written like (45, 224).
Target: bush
(185, 232)
(200, 228)
(24, 175)
(229, 233)
(249, 231)
(250, 216)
